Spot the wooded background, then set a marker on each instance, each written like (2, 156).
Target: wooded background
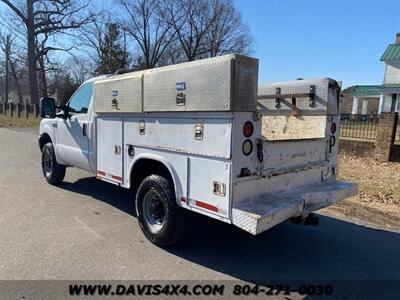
(49, 47)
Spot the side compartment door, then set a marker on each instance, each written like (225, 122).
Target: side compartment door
(109, 148)
(209, 186)
(72, 133)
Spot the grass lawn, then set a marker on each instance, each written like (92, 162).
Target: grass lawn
(6, 121)
(378, 199)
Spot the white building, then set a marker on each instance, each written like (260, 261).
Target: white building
(389, 92)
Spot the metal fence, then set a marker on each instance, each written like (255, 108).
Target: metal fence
(397, 136)
(19, 110)
(358, 126)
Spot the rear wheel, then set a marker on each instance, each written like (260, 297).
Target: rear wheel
(52, 171)
(159, 216)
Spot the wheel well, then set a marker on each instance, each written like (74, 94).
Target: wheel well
(146, 167)
(43, 140)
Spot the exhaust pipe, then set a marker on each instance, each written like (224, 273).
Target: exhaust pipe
(310, 219)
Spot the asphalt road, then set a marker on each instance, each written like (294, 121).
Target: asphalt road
(84, 229)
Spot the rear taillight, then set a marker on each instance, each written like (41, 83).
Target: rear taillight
(248, 129)
(333, 128)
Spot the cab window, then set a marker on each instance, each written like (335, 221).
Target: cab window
(79, 103)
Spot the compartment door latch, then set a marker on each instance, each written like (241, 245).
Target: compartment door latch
(117, 149)
(198, 131)
(180, 99)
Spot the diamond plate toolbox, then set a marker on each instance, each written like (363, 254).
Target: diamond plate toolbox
(225, 83)
(312, 97)
(119, 94)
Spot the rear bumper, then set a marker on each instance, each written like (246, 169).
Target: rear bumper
(261, 214)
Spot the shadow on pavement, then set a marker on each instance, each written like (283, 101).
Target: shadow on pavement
(334, 250)
(106, 192)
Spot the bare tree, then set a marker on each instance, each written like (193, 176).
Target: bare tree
(6, 48)
(148, 29)
(92, 35)
(227, 33)
(79, 68)
(42, 19)
(62, 85)
(191, 19)
(105, 43)
(16, 77)
(13, 65)
(173, 54)
(207, 28)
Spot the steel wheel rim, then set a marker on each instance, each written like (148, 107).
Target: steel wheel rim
(48, 163)
(153, 211)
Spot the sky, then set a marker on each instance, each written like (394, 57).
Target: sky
(340, 39)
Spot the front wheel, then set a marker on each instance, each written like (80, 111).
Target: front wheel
(159, 216)
(52, 171)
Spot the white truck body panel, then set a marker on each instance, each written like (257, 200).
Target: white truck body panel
(177, 133)
(290, 171)
(202, 173)
(110, 157)
(170, 139)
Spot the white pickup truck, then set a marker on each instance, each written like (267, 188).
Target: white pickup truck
(202, 136)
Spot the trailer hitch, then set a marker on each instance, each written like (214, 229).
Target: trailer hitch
(310, 219)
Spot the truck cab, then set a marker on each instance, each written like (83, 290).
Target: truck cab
(71, 129)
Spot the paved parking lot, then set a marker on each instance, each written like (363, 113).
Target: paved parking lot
(85, 229)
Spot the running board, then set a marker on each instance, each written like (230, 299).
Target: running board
(256, 216)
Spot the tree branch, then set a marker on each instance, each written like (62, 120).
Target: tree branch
(16, 10)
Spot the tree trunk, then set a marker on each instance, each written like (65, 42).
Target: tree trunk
(33, 87)
(16, 82)
(43, 80)
(7, 50)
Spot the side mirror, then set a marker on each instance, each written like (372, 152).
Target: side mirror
(47, 107)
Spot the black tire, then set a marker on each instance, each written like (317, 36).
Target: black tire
(172, 228)
(52, 171)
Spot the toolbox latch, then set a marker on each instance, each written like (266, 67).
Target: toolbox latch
(142, 128)
(278, 100)
(180, 99)
(198, 131)
(312, 96)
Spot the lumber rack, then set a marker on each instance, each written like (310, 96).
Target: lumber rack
(279, 97)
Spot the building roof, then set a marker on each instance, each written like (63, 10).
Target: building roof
(367, 90)
(392, 52)
(391, 85)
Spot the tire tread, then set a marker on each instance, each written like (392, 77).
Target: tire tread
(177, 220)
(58, 173)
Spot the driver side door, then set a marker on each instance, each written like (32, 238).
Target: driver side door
(72, 132)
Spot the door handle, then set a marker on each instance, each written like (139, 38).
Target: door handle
(84, 126)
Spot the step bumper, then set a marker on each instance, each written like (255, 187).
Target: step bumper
(256, 216)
